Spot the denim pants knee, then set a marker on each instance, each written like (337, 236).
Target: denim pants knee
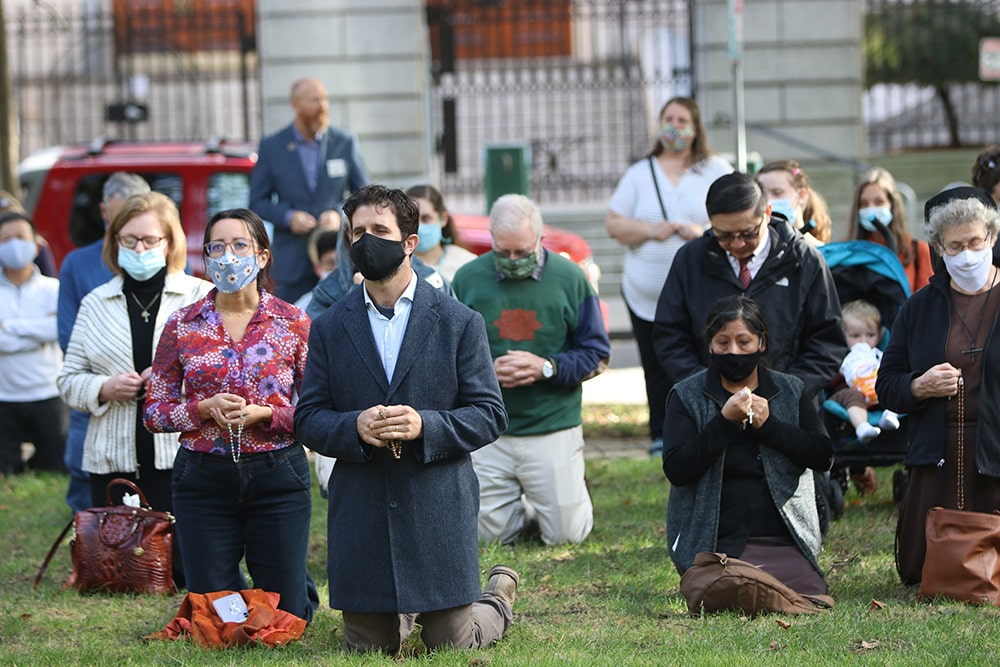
(258, 508)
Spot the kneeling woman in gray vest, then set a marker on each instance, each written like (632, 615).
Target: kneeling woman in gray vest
(743, 441)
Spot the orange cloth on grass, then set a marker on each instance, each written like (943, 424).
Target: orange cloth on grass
(265, 624)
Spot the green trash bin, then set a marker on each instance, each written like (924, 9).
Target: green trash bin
(508, 167)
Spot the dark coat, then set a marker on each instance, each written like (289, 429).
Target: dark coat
(794, 288)
(402, 534)
(917, 342)
(789, 443)
(278, 175)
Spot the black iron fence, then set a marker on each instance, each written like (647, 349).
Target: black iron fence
(578, 83)
(160, 74)
(923, 88)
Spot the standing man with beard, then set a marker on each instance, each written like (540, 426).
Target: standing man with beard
(399, 387)
(302, 174)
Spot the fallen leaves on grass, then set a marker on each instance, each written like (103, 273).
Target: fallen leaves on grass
(876, 605)
(784, 625)
(863, 646)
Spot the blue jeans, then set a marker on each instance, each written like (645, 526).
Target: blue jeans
(258, 508)
(78, 492)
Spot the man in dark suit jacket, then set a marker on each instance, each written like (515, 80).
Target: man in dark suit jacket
(399, 387)
(299, 182)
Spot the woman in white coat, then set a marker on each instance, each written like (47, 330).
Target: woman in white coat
(111, 349)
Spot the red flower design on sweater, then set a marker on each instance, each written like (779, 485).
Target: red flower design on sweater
(517, 324)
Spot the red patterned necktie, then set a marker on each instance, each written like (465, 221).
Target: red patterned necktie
(744, 276)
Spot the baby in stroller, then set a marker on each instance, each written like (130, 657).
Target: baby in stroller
(863, 329)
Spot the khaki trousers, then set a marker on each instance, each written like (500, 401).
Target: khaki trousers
(535, 476)
(470, 626)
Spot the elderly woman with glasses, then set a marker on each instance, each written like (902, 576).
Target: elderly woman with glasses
(110, 351)
(226, 375)
(942, 368)
(747, 252)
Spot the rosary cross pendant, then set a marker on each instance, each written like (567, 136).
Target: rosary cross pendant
(972, 351)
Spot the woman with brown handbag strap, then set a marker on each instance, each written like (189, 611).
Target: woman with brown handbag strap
(941, 356)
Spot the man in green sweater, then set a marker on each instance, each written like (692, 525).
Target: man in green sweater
(546, 336)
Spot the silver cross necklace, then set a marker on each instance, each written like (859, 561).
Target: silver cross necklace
(145, 308)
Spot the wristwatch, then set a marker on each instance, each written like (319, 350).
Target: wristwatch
(548, 369)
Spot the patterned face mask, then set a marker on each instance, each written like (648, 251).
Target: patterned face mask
(231, 273)
(676, 139)
(516, 269)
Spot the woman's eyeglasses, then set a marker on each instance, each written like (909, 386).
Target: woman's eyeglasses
(240, 247)
(131, 242)
(975, 245)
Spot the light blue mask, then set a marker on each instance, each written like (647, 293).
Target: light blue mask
(231, 273)
(141, 265)
(784, 207)
(430, 236)
(16, 254)
(866, 216)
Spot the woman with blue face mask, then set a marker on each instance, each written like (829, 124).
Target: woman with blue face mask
(787, 187)
(879, 215)
(110, 351)
(226, 376)
(439, 245)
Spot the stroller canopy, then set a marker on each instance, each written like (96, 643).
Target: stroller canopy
(869, 271)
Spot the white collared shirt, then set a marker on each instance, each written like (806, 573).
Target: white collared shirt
(756, 259)
(388, 333)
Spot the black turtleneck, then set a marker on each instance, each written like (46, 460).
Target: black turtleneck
(147, 296)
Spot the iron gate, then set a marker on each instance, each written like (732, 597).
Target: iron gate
(162, 73)
(579, 82)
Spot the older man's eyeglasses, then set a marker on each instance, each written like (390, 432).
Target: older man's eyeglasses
(975, 245)
(241, 248)
(746, 235)
(148, 242)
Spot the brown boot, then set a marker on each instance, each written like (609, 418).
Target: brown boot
(503, 583)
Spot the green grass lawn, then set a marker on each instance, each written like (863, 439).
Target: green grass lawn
(611, 601)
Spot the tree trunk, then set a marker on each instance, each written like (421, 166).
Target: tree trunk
(949, 114)
(9, 146)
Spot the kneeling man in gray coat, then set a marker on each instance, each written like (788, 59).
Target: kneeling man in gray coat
(399, 386)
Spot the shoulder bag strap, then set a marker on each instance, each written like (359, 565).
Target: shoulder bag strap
(656, 184)
(52, 552)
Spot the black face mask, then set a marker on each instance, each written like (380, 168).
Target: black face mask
(735, 367)
(377, 258)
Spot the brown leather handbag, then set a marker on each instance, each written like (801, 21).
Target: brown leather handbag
(119, 549)
(715, 582)
(963, 548)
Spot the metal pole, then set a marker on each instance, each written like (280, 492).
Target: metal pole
(736, 61)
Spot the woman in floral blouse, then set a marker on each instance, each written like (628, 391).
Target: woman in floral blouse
(226, 373)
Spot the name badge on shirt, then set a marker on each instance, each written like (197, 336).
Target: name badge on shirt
(336, 168)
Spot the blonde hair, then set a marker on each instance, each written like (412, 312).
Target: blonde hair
(862, 311)
(165, 210)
